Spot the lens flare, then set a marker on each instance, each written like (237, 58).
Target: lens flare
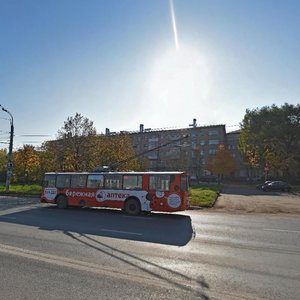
(174, 23)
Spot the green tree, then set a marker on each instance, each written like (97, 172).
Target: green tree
(270, 136)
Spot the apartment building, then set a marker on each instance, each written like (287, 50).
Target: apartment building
(232, 139)
(186, 149)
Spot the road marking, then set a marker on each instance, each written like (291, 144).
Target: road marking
(124, 274)
(63, 261)
(10, 218)
(138, 218)
(282, 230)
(123, 232)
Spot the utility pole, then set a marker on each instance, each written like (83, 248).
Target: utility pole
(9, 161)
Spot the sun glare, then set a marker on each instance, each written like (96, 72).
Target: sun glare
(180, 77)
(174, 23)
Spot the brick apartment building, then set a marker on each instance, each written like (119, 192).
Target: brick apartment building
(186, 149)
(232, 145)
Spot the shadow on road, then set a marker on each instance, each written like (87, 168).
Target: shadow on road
(170, 229)
(80, 223)
(139, 263)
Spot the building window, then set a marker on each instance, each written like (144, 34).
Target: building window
(213, 132)
(213, 142)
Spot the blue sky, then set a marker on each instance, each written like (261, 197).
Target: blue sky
(116, 62)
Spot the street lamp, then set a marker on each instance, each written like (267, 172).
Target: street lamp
(9, 162)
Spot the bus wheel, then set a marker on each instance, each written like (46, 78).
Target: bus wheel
(132, 207)
(62, 201)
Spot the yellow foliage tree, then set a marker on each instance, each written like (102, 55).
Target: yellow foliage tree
(26, 164)
(3, 164)
(221, 164)
(117, 152)
(79, 148)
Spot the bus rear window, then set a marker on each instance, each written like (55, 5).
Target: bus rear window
(49, 180)
(159, 182)
(184, 183)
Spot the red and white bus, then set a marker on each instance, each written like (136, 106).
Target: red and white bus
(133, 192)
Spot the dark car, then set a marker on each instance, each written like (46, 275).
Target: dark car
(277, 186)
(260, 186)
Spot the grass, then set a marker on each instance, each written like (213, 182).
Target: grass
(22, 189)
(203, 196)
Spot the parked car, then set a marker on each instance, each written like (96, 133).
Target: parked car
(259, 186)
(277, 186)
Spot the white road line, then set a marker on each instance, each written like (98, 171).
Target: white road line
(124, 232)
(138, 218)
(10, 218)
(125, 274)
(282, 230)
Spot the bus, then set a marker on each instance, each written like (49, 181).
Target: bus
(133, 192)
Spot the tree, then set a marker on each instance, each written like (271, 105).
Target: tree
(77, 143)
(51, 156)
(117, 152)
(270, 137)
(221, 164)
(79, 148)
(3, 164)
(26, 164)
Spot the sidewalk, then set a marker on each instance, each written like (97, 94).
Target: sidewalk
(241, 199)
(7, 202)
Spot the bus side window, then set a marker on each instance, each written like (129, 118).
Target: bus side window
(159, 183)
(113, 181)
(132, 182)
(63, 181)
(78, 181)
(95, 181)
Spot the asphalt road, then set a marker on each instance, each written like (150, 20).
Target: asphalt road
(47, 253)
